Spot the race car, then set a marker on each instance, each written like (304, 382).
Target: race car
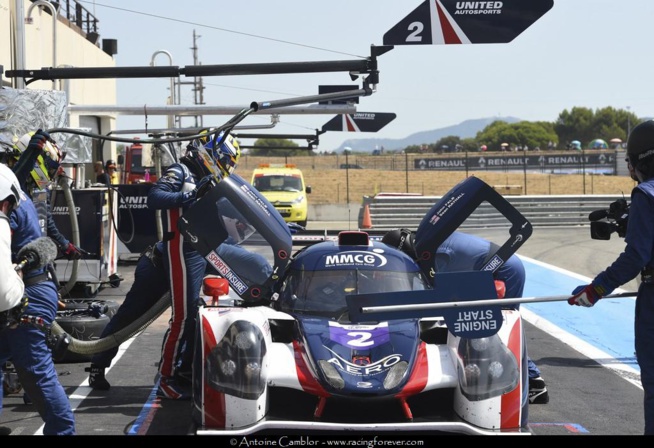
(301, 354)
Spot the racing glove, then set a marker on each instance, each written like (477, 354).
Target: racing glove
(587, 295)
(205, 184)
(295, 227)
(201, 188)
(72, 252)
(38, 141)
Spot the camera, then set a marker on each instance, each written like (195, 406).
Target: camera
(605, 222)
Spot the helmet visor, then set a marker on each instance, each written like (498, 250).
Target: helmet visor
(208, 163)
(225, 154)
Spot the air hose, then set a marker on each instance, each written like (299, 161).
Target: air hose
(118, 337)
(74, 225)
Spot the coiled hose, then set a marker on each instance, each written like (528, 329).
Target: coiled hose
(120, 336)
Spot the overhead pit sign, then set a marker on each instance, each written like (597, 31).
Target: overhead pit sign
(446, 22)
(359, 122)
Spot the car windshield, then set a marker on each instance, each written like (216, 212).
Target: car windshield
(322, 293)
(278, 183)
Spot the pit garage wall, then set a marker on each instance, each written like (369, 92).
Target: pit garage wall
(72, 50)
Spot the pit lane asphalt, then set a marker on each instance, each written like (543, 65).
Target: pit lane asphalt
(586, 398)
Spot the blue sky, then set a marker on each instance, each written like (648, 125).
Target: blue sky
(588, 53)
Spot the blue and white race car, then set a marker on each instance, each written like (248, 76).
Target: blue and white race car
(340, 337)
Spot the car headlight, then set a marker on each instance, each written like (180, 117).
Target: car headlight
(298, 200)
(487, 368)
(395, 375)
(234, 364)
(332, 376)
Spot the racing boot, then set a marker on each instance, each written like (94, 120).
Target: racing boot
(97, 380)
(538, 391)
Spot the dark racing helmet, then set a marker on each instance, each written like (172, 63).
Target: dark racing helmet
(225, 154)
(640, 149)
(402, 239)
(198, 161)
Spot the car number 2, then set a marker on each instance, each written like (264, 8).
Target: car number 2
(360, 339)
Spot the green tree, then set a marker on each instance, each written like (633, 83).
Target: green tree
(585, 125)
(524, 133)
(448, 144)
(277, 147)
(470, 145)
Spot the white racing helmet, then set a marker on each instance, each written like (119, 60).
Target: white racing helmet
(9, 186)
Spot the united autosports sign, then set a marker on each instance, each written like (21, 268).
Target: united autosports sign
(455, 22)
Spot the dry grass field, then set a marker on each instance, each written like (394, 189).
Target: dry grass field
(331, 185)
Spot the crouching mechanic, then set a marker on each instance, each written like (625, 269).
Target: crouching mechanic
(177, 189)
(26, 345)
(637, 258)
(465, 252)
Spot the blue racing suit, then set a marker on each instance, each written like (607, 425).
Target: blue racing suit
(465, 252)
(173, 193)
(26, 345)
(150, 283)
(639, 255)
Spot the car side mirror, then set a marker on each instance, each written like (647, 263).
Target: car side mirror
(308, 189)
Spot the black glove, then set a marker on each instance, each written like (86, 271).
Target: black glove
(38, 141)
(205, 184)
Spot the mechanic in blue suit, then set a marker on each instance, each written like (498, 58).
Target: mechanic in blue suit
(466, 252)
(173, 193)
(637, 258)
(26, 345)
(150, 283)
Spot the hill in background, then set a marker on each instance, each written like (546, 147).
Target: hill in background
(465, 129)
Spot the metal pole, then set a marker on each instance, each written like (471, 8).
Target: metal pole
(53, 11)
(583, 167)
(406, 169)
(19, 40)
(172, 101)
(347, 177)
(481, 302)
(524, 165)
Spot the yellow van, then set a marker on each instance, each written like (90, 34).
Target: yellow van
(283, 185)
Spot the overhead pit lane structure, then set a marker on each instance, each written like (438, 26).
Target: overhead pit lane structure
(366, 68)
